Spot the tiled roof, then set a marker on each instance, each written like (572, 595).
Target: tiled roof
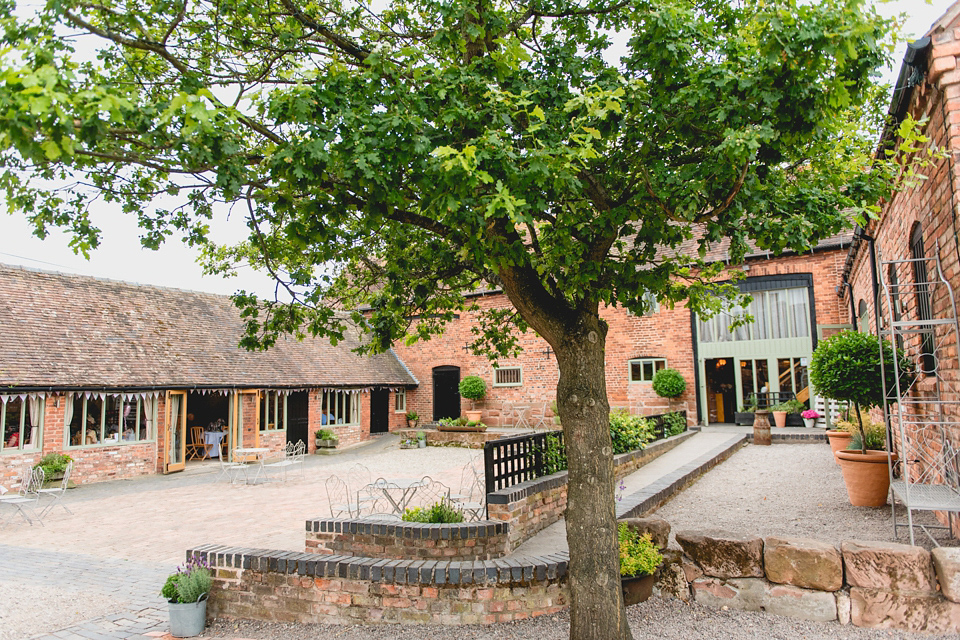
(69, 331)
(718, 252)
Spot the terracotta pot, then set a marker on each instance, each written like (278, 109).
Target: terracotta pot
(780, 418)
(473, 416)
(866, 476)
(636, 589)
(838, 441)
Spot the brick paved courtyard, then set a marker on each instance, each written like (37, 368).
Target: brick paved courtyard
(96, 574)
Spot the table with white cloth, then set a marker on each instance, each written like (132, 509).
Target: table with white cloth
(211, 442)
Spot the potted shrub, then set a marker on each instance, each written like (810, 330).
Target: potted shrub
(439, 512)
(780, 412)
(744, 417)
(326, 439)
(810, 417)
(413, 419)
(639, 560)
(187, 591)
(847, 367)
(473, 388)
(422, 439)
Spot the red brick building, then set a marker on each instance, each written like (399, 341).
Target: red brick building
(119, 375)
(892, 277)
(795, 304)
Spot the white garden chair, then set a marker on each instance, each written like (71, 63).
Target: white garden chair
(28, 497)
(56, 494)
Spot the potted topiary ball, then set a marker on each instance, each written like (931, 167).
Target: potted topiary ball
(846, 367)
(473, 388)
(669, 383)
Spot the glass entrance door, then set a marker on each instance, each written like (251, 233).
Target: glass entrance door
(176, 443)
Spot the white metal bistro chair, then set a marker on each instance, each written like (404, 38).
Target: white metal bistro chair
(56, 494)
(343, 503)
(281, 464)
(471, 496)
(229, 470)
(28, 497)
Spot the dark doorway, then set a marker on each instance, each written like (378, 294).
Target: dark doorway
(721, 389)
(446, 392)
(298, 417)
(379, 411)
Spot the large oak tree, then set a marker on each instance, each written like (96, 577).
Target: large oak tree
(401, 153)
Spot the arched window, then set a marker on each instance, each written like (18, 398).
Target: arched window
(922, 282)
(862, 317)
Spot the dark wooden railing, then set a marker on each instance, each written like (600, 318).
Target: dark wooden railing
(510, 461)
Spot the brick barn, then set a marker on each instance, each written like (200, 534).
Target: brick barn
(118, 375)
(892, 276)
(795, 303)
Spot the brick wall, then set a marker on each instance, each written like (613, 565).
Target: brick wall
(932, 205)
(407, 540)
(306, 588)
(664, 334)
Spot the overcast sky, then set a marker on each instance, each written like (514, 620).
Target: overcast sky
(121, 257)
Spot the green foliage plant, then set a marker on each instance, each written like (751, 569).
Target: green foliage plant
(437, 513)
(674, 423)
(397, 157)
(629, 432)
(846, 367)
(473, 388)
(669, 383)
(326, 434)
(189, 583)
(874, 438)
(638, 554)
(421, 435)
(53, 463)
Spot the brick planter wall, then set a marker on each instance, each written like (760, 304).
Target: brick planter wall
(532, 506)
(307, 588)
(407, 540)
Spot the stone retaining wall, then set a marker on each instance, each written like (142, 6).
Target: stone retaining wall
(532, 506)
(306, 588)
(879, 585)
(407, 540)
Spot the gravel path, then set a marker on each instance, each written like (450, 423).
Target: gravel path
(785, 489)
(61, 607)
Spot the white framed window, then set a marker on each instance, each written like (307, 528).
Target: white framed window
(22, 420)
(340, 407)
(507, 377)
(643, 369)
(777, 314)
(400, 401)
(273, 411)
(109, 419)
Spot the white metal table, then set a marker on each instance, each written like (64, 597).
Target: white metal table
(242, 456)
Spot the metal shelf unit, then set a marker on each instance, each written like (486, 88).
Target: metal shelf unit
(923, 418)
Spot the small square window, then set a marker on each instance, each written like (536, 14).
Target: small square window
(507, 377)
(643, 369)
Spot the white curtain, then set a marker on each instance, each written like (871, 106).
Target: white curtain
(67, 412)
(36, 404)
(149, 410)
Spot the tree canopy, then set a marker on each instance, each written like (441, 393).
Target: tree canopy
(400, 154)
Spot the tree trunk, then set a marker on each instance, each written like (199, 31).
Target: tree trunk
(596, 609)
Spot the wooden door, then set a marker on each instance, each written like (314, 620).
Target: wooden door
(176, 440)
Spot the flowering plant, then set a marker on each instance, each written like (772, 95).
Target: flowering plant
(190, 583)
(810, 414)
